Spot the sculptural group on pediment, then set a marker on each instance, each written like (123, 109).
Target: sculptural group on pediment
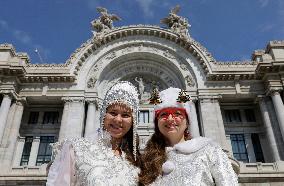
(176, 23)
(105, 21)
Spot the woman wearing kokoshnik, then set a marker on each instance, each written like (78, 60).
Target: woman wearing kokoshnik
(111, 156)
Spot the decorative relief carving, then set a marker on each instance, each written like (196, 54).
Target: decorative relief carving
(145, 86)
(111, 55)
(189, 80)
(168, 54)
(183, 67)
(96, 68)
(73, 99)
(91, 82)
(127, 50)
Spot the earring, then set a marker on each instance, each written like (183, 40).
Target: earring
(187, 134)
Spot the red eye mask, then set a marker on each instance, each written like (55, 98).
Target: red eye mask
(166, 112)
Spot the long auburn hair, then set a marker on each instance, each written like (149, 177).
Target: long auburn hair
(155, 155)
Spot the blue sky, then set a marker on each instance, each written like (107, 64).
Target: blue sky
(231, 30)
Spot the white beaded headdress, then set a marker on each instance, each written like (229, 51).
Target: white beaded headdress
(123, 92)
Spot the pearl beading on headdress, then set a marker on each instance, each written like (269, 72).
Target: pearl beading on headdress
(123, 92)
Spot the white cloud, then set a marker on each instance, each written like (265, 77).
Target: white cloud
(266, 27)
(22, 36)
(92, 4)
(146, 7)
(4, 25)
(263, 3)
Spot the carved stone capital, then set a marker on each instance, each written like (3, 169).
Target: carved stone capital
(21, 139)
(21, 101)
(73, 99)
(274, 92)
(209, 98)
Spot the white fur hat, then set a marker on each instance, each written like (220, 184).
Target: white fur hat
(169, 98)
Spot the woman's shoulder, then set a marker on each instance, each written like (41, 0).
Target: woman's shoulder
(70, 142)
(196, 144)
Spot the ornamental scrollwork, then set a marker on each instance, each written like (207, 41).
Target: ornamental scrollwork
(189, 80)
(111, 55)
(168, 54)
(91, 82)
(183, 67)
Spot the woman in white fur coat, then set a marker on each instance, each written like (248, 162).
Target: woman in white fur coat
(172, 158)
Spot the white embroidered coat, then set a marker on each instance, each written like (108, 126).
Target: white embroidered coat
(83, 162)
(197, 162)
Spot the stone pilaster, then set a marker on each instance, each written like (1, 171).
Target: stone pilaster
(249, 147)
(92, 122)
(194, 128)
(13, 133)
(34, 151)
(4, 110)
(279, 109)
(18, 151)
(73, 118)
(212, 121)
(268, 128)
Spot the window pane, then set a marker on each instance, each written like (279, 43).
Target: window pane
(239, 147)
(257, 148)
(232, 116)
(44, 152)
(143, 116)
(33, 118)
(50, 117)
(26, 151)
(250, 117)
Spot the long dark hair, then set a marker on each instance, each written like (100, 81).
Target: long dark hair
(155, 155)
(127, 147)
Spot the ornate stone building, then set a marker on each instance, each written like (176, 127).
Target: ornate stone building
(238, 104)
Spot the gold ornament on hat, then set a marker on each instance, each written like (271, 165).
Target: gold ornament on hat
(183, 97)
(155, 97)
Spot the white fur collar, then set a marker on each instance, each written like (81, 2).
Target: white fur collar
(192, 145)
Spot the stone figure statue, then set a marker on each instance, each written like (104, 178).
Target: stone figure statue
(105, 21)
(175, 22)
(141, 86)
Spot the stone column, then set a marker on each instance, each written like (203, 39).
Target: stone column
(34, 151)
(15, 123)
(269, 130)
(279, 109)
(92, 122)
(212, 121)
(249, 147)
(19, 151)
(4, 110)
(73, 118)
(228, 138)
(194, 128)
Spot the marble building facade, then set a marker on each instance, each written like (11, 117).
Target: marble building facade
(239, 104)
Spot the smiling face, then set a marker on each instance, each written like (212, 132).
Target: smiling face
(118, 120)
(172, 123)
